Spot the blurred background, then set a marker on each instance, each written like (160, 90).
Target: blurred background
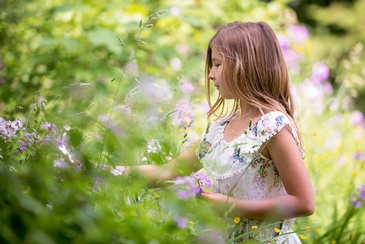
(123, 81)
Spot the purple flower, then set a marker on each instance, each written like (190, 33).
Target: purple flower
(183, 114)
(181, 222)
(358, 198)
(60, 142)
(28, 138)
(46, 139)
(357, 118)
(97, 181)
(359, 156)
(320, 72)
(9, 129)
(362, 192)
(60, 163)
(187, 87)
(202, 179)
(298, 33)
(23, 146)
(153, 90)
(188, 187)
(284, 42)
(191, 186)
(49, 127)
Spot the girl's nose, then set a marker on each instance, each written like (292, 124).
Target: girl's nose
(211, 75)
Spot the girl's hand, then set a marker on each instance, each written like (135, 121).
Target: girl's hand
(217, 201)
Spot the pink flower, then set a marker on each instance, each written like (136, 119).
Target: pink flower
(298, 33)
(320, 72)
(181, 222)
(49, 127)
(183, 114)
(357, 118)
(191, 186)
(187, 87)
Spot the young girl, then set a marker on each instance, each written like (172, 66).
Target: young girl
(253, 153)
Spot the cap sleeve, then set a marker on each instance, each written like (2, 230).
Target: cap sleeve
(268, 126)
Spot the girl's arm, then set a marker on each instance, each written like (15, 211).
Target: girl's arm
(300, 198)
(184, 164)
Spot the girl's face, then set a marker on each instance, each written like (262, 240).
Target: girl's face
(215, 74)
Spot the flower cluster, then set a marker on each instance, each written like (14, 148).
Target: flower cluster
(191, 186)
(26, 144)
(358, 198)
(9, 129)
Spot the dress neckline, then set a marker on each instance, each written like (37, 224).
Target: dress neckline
(244, 133)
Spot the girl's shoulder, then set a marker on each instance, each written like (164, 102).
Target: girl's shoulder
(273, 119)
(271, 124)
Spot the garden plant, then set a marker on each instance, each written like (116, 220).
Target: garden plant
(88, 85)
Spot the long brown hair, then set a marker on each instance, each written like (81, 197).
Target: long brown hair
(254, 69)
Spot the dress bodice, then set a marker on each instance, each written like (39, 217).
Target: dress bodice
(239, 170)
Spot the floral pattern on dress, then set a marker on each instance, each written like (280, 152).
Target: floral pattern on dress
(239, 170)
(261, 166)
(203, 148)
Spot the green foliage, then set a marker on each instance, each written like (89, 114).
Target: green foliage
(338, 40)
(107, 75)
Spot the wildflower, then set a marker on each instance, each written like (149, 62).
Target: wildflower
(183, 113)
(303, 237)
(320, 72)
(190, 186)
(49, 127)
(9, 129)
(254, 227)
(96, 183)
(358, 199)
(181, 222)
(153, 146)
(156, 91)
(187, 87)
(60, 163)
(359, 156)
(62, 147)
(307, 228)
(28, 138)
(298, 33)
(155, 194)
(318, 230)
(202, 179)
(237, 220)
(175, 64)
(277, 230)
(357, 118)
(23, 146)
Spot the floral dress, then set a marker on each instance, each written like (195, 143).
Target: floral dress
(239, 170)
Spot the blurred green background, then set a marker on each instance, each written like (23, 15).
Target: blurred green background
(123, 81)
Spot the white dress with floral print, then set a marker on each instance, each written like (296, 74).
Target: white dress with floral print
(239, 170)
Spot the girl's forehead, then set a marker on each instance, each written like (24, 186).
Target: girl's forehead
(216, 54)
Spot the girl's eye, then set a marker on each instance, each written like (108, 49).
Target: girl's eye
(217, 65)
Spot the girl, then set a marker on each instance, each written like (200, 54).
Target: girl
(253, 152)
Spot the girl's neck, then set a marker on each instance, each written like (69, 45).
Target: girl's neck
(246, 110)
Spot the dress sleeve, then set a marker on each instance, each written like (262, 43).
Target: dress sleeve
(266, 127)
